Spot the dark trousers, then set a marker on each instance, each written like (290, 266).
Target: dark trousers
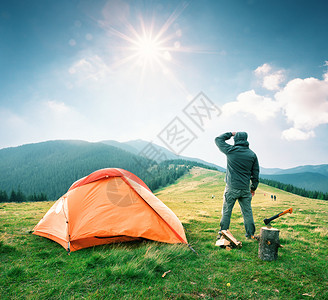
(244, 198)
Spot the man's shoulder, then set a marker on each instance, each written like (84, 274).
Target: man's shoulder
(251, 151)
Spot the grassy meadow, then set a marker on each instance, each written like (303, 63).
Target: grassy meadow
(32, 267)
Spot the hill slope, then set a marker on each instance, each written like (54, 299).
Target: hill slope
(320, 169)
(32, 265)
(306, 180)
(51, 167)
(139, 146)
(309, 177)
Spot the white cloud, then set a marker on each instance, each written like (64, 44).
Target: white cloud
(264, 69)
(57, 107)
(305, 102)
(270, 80)
(325, 76)
(263, 108)
(294, 134)
(89, 68)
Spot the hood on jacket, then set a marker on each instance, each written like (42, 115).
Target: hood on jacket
(241, 139)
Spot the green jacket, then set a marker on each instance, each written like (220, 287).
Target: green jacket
(242, 163)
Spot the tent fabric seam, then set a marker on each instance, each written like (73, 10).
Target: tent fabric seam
(177, 235)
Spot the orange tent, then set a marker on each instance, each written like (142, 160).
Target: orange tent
(108, 206)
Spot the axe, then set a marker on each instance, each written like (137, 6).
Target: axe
(267, 221)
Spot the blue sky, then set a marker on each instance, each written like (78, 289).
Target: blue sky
(124, 70)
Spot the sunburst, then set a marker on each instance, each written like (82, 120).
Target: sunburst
(149, 50)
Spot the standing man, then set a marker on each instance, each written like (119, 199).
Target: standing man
(242, 179)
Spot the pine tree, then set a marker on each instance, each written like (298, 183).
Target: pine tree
(3, 196)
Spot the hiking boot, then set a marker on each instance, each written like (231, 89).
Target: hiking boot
(253, 238)
(219, 235)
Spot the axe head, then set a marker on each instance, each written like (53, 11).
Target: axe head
(266, 221)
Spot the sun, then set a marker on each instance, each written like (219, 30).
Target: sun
(148, 49)
(151, 52)
(147, 46)
(145, 51)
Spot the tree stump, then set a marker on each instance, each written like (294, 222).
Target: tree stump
(269, 244)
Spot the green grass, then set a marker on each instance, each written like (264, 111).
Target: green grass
(32, 267)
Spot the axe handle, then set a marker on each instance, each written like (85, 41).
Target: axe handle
(289, 210)
(274, 217)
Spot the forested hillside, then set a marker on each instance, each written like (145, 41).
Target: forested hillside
(306, 180)
(49, 168)
(295, 190)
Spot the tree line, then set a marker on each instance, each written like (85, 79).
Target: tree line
(167, 172)
(295, 190)
(19, 196)
(154, 175)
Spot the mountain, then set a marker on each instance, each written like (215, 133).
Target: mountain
(54, 165)
(306, 180)
(51, 167)
(123, 146)
(269, 171)
(309, 177)
(320, 169)
(156, 152)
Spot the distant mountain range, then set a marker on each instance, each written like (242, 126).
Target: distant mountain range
(309, 177)
(53, 166)
(141, 147)
(320, 169)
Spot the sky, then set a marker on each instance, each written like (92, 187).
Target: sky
(174, 73)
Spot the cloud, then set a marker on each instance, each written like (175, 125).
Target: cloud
(263, 108)
(325, 76)
(272, 82)
(294, 134)
(264, 69)
(57, 107)
(89, 68)
(305, 103)
(270, 79)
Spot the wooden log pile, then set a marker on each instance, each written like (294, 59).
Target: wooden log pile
(228, 241)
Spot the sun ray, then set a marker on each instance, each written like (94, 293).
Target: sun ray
(152, 51)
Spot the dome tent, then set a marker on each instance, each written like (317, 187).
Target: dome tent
(109, 206)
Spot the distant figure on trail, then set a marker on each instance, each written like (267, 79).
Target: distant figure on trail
(242, 179)
(271, 197)
(274, 198)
